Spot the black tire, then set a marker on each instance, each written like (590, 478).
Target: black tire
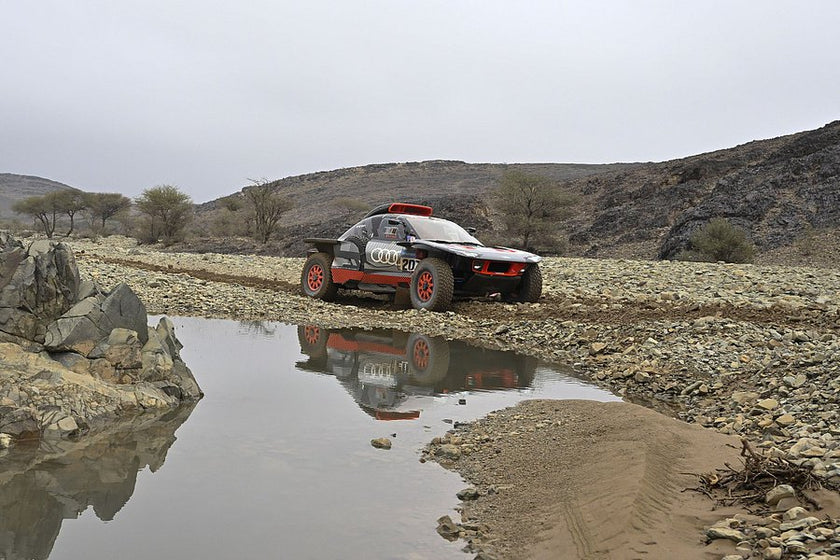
(428, 358)
(432, 285)
(530, 288)
(316, 278)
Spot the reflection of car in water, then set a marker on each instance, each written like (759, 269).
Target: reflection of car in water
(389, 372)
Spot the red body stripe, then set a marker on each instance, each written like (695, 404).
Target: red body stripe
(342, 275)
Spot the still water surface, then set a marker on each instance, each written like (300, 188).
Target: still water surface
(275, 461)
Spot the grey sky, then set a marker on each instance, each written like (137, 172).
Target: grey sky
(121, 96)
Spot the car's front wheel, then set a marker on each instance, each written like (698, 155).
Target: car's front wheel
(530, 288)
(432, 285)
(316, 278)
(428, 359)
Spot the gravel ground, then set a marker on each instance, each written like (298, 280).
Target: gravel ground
(745, 350)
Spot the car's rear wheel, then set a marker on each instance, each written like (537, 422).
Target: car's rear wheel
(530, 288)
(316, 278)
(432, 285)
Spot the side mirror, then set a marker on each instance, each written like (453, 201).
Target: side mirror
(471, 230)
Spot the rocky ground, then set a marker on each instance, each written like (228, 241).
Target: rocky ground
(746, 350)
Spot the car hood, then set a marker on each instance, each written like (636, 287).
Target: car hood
(480, 251)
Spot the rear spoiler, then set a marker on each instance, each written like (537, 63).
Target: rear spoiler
(401, 208)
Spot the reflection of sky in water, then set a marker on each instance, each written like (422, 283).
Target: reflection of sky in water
(275, 462)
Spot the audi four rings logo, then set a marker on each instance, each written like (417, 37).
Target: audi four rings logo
(385, 256)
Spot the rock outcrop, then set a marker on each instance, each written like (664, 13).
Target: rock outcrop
(71, 355)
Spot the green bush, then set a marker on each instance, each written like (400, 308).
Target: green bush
(719, 240)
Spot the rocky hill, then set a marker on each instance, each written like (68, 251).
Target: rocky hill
(775, 189)
(457, 190)
(15, 187)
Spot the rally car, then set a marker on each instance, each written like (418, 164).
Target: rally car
(401, 247)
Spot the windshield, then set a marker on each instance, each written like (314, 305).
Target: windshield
(440, 230)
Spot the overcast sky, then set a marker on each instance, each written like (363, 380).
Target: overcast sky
(124, 95)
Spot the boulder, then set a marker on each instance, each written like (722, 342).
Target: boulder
(122, 349)
(83, 327)
(38, 284)
(123, 309)
(79, 330)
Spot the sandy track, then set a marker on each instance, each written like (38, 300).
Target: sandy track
(608, 485)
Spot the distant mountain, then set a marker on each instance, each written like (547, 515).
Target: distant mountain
(775, 189)
(15, 187)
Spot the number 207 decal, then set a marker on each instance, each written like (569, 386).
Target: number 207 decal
(408, 265)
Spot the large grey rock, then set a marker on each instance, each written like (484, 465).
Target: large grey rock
(82, 328)
(166, 333)
(37, 285)
(162, 364)
(122, 349)
(123, 309)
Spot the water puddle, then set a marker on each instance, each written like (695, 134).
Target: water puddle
(275, 461)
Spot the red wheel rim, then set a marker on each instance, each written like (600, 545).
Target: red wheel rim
(425, 286)
(311, 334)
(315, 277)
(421, 354)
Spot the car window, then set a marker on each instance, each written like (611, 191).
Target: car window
(392, 229)
(439, 230)
(362, 230)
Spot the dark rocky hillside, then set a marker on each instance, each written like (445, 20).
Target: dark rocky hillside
(774, 189)
(15, 187)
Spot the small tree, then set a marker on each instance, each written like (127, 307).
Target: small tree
(168, 211)
(44, 209)
(719, 240)
(531, 206)
(69, 202)
(103, 206)
(267, 207)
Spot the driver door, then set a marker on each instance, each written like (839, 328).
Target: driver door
(382, 253)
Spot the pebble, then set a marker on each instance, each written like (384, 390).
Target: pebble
(381, 443)
(778, 493)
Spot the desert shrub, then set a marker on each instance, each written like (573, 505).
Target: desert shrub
(719, 240)
(167, 211)
(227, 223)
(531, 207)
